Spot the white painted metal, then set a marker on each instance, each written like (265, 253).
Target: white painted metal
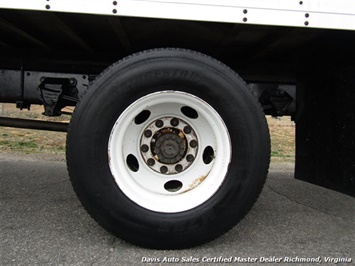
(329, 14)
(200, 181)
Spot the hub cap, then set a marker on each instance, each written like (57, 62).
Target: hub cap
(166, 147)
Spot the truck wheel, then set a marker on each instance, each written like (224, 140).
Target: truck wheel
(168, 149)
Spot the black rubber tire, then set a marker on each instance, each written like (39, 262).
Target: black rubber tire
(132, 78)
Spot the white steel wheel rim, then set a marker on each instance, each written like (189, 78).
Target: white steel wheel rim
(173, 191)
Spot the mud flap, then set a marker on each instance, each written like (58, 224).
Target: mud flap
(325, 129)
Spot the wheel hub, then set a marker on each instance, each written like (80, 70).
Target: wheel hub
(166, 147)
(169, 147)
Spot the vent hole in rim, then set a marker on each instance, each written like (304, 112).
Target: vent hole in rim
(173, 186)
(189, 112)
(142, 117)
(132, 163)
(208, 155)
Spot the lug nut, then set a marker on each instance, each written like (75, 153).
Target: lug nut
(193, 143)
(159, 123)
(72, 81)
(151, 162)
(178, 168)
(163, 169)
(148, 133)
(190, 158)
(144, 148)
(174, 122)
(187, 130)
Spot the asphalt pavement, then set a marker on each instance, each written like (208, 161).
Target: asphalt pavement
(293, 222)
